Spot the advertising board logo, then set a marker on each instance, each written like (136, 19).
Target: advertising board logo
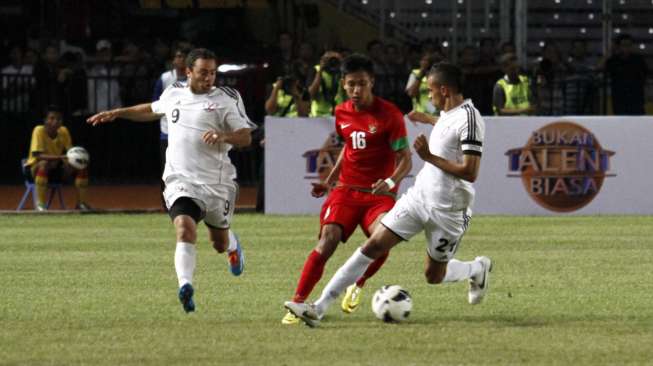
(319, 162)
(562, 166)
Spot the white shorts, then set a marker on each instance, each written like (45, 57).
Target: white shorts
(217, 201)
(443, 229)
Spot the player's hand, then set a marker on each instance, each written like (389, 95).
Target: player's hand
(421, 117)
(421, 146)
(319, 189)
(102, 117)
(212, 137)
(380, 187)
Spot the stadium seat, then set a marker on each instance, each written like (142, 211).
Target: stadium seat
(53, 189)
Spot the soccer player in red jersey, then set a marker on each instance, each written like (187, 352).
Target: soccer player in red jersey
(375, 158)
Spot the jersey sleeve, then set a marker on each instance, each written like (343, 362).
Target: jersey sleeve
(160, 106)
(471, 131)
(398, 136)
(236, 117)
(37, 144)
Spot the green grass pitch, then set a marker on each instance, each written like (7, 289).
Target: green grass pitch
(101, 290)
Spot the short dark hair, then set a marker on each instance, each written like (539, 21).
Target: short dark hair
(357, 62)
(196, 53)
(183, 50)
(449, 75)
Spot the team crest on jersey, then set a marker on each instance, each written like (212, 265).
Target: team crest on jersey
(209, 107)
(372, 128)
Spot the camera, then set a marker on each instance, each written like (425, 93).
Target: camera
(288, 83)
(332, 65)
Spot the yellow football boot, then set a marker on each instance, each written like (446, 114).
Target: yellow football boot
(290, 319)
(352, 299)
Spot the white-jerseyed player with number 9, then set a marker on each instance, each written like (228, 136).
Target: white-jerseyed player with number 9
(204, 123)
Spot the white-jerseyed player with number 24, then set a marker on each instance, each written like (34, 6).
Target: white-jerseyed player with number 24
(204, 123)
(439, 203)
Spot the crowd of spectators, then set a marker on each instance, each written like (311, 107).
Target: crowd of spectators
(558, 83)
(303, 80)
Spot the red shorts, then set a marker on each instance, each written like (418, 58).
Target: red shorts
(349, 208)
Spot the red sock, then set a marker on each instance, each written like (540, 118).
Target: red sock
(311, 274)
(372, 269)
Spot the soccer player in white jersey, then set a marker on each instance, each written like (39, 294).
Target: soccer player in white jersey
(439, 202)
(204, 123)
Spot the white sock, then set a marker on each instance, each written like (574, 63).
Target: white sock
(232, 242)
(459, 271)
(185, 254)
(345, 276)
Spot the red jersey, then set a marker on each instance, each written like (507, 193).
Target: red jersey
(372, 136)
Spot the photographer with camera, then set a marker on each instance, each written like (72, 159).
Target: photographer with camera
(326, 90)
(417, 87)
(288, 98)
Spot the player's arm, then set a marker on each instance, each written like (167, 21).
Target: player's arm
(320, 188)
(421, 117)
(49, 157)
(239, 138)
(139, 113)
(467, 170)
(403, 165)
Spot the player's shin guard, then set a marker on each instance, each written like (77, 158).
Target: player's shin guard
(81, 183)
(372, 269)
(345, 276)
(311, 275)
(185, 259)
(41, 185)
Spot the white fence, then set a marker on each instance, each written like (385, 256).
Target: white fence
(563, 170)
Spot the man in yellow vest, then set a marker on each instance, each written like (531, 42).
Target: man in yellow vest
(47, 159)
(288, 98)
(512, 94)
(326, 89)
(417, 87)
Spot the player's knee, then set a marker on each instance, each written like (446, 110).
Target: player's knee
(186, 233)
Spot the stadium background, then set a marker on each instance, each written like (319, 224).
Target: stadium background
(245, 34)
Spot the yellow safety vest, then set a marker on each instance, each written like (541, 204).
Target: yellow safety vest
(286, 106)
(517, 95)
(329, 95)
(422, 102)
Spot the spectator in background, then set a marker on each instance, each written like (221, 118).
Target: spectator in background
(627, 71)
(382, 86)
(512, 94)
(550, 73)
(176, 75)
(487, 72)
(135, 73)
(578, 87)
(17, 82)
(305, 62)
(284, 55)
(103, 86)
(468, 64)
(398, 68)
(47, 160)
(417, 87)
(61, 80)
(326, 90)
(288, 98)
(507, 47)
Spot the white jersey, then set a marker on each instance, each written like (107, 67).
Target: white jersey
(458, 131)
(168, 78)
(189, 117)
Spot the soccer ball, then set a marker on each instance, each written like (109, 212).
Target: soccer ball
(78, 157)
(392, 304)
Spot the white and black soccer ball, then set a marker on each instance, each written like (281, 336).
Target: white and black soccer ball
(392, 304)
(78, 157)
